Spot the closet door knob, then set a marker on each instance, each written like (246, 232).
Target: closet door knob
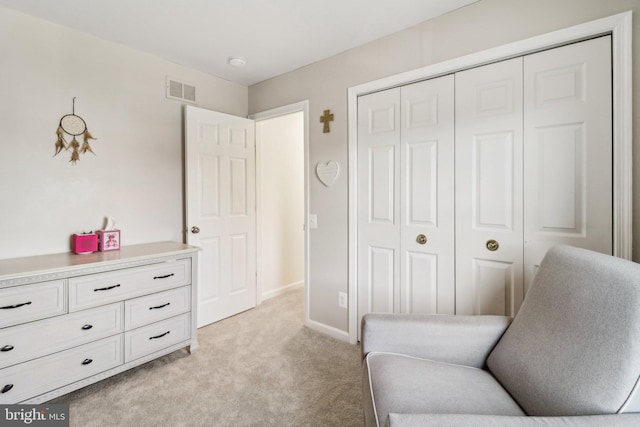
(195, 230)
(421, 239)
(492, 245)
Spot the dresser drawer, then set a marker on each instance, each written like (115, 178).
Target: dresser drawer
(38, 376)
(148, 339)
(151, 308)
(36, 339)
(22, 304)
(103, 288)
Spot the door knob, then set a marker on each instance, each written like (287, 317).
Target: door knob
(492, 245)
(195, 230)
(421, 239)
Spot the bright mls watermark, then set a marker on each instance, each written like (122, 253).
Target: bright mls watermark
(35, 415)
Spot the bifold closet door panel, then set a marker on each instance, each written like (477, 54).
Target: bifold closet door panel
(461, 227)
(427, 255)
(406, 199)
(488, 185)
(379, 202)
(568, 186)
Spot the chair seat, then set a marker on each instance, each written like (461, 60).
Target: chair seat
(404, 384)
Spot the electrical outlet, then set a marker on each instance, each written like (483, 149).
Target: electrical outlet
(342, 299)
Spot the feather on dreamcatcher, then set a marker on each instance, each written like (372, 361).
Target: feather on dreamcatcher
(74, 126)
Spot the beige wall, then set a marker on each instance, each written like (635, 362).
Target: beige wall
(137, 173)
(280, 169)
(480, 26)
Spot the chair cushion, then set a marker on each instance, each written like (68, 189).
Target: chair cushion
(399, 383)
(464, 420)
(574, 346)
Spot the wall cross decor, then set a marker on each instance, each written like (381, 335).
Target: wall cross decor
(326, 118)
(74, 126)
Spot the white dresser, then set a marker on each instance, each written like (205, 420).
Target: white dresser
(67, 320)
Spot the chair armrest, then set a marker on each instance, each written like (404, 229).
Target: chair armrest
(464, 340)
(463, 420)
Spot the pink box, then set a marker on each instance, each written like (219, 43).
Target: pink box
(108, 240)
(84, 243)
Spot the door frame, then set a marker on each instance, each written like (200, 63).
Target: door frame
(302, 106)
(620, 28)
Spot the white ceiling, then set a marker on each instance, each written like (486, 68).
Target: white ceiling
(274, 36)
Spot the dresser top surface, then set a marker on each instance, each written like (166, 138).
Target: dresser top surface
(12, 267)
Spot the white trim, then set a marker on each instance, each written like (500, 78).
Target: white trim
(258, 162)
(336, 333)
(619, 26)
(622, 137)
(270, 114)
(282, 290)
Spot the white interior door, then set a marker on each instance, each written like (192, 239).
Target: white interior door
(405, 199)
(489, 260)
(220, 193)
(427, 283)
(568, 165)
(378, 202)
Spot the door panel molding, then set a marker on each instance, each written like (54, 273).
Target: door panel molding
(566, 159)
(620, 28)
(493, 174)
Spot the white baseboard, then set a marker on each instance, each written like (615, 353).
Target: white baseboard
(328, 330)
(282, 290)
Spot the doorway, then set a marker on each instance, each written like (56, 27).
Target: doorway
(282, 201)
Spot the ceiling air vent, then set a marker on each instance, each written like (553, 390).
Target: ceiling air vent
(180, 91)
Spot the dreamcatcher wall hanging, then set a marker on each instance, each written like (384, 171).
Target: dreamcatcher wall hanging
(74, 126)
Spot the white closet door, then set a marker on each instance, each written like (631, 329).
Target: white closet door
(489, 189)
(379, 202)
(568, 150)
(427, 200)
(405, 189)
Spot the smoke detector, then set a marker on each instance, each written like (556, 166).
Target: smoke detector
(237, 61)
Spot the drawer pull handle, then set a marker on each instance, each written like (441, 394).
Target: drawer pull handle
(6, 388)
(159, 306)
(87, 361)
(7, 347)
(159, 336)
(163, 277)
(15, 306)
(87, 327)
(107, 288)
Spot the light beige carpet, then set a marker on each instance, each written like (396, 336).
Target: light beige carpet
(259, 368)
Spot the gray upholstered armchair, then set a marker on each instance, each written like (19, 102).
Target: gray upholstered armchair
(571, 356)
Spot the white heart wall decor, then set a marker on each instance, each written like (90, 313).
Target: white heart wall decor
(328, 172)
